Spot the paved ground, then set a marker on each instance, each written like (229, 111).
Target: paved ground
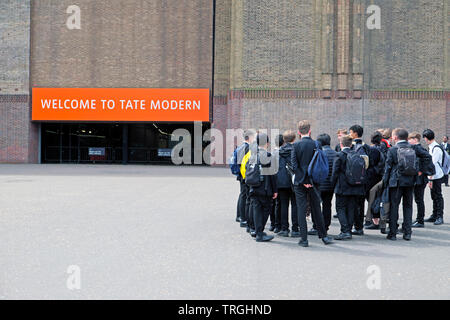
(153, 232)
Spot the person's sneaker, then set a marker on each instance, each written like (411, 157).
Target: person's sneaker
(431, 219)
(343, 236)
(243, 224)
(391, 237)
(417, 224)
(312, 232)
(327, 240)
(367, 223)
(248, 229)
(372, 226)
(238, 219)
(439, 221)
(283, 233)
(358, 232)
(271, 228)
(383, 231)
(407, 237)
(253, 233)
(263, 238)
(276, 230)
(295, 234)
(303, 243)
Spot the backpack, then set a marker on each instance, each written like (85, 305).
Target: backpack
(234, 163)
(356, 167)
(445, 165)
(253, 177)
(318, 168)
(407, 161)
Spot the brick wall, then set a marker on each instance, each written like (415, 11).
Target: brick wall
(18, 136)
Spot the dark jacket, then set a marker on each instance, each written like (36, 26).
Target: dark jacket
(339, 179)
(283, 177)
(392, 178)
(331, 155)
(422, 179)
(376, 166)
(301, 157)
(338, 148)
(269, 184)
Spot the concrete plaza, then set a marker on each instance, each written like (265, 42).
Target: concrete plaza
(160, 232)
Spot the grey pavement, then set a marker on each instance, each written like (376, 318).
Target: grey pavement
(162, 232)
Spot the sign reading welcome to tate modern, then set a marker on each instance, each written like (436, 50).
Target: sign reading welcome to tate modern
(107, 104)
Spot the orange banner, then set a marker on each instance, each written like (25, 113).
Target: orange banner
(95, 104)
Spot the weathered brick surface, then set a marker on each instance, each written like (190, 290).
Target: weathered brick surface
(133, 43)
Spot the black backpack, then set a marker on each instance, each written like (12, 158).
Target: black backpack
(355, 168)
(407, 161)
(253, 177)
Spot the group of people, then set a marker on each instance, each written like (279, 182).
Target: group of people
(306, 174)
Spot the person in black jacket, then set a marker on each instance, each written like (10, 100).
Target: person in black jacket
(356, 132)
(302, 155)
(446, 146)
(262, 196)
(346, 194)
(420, 183)
(275, 214)
(243, 201)
(340, 133)
(401, 184)
(326, 188)
(285, 190)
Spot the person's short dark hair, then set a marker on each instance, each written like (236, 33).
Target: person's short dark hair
(376, 138)
(248, 133)
(280, 140)
(324, 139)
(429, 134)
(347, 141)
(262, 139)
(357, 129)
(289, 136)
(400, 133)
(304, 127)
(446, 137)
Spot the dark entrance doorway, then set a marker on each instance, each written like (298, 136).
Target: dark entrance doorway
(109, 142)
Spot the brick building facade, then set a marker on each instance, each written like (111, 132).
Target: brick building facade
(274, 62)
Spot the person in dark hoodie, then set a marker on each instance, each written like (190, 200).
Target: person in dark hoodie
(263, 194)
(400, 175)
(275, 215)
(347, 195)
(326, 188)
(285, 190)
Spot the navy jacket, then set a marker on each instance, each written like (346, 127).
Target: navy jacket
(339, 179)
(301, 157)
(327, 185)
(283, 177)
(269, 185)
(392, 177)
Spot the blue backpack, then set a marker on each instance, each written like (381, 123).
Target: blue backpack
(235, 166)
(318, 167)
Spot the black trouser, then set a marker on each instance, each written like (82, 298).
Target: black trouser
(301, 193)
(419, 191)
(404, 194)
(242, 202)
(262, 205)
(327, 197)
(438, 200)
(359, 216)
(445, 180)
(249, 212)
(285, 195)
(275, 213)
(346, 207)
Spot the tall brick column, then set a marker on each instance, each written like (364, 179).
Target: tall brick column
(18, 136)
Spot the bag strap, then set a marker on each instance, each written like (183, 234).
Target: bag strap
(443, 154)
